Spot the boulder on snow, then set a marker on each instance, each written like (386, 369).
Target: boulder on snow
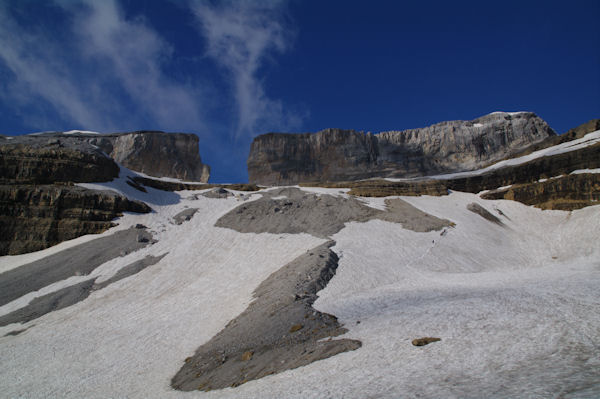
(424, 341)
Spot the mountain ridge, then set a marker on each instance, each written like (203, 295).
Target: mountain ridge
(338, 154)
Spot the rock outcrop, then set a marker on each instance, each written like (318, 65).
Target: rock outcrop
(156, 153)
(34, 217)
(338, 155)
(153, 153)
(40, 207)
(564, 193)
(46, 161)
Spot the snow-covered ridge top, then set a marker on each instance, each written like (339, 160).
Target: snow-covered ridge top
(586, 141)
(80, 132)
(509, 113)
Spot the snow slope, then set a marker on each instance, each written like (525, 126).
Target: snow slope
(516, 306)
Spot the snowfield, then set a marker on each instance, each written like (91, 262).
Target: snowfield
(517, 306)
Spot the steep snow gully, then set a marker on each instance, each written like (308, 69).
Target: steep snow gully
(515, 303)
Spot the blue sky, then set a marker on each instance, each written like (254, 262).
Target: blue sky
(229, 71)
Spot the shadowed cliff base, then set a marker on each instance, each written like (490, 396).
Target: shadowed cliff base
(280, 330)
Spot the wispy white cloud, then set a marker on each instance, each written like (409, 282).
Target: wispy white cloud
(134, 53)
(241, 36)
(108, 60)
(100, 69)
(37, 71)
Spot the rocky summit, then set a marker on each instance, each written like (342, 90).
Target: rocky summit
(342, 155)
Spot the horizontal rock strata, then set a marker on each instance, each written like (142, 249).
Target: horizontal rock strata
(338, 155)
(36, 217)
(577, 190)
(49, 162)
(562, 193)
(154, 153)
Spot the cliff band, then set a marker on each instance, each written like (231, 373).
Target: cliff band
(342, 155)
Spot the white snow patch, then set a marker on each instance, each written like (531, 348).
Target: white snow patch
(168, 179)
(80, 132)
(335, 192)
(582, 171)
(477, 124)
(374, 202)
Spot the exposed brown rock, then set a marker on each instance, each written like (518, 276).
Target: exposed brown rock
(424, 341)
(563, 193)
(37, 217)
(342, 155)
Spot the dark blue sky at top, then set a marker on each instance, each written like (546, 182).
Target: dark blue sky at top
(229, 71)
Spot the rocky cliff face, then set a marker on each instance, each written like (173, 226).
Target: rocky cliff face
(47, 161)
(40, 206)
(34, 217)
(337, 155)
(154, 153)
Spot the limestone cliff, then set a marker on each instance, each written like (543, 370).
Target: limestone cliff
(153, 153)
(156, 153)
(46, 161)
(337, 155)
(34, 217)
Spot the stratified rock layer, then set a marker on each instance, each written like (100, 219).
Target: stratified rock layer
(338, 155)
(36, 217)
(46, 161)
(153, 153)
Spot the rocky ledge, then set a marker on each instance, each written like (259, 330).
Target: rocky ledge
(345, 155)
